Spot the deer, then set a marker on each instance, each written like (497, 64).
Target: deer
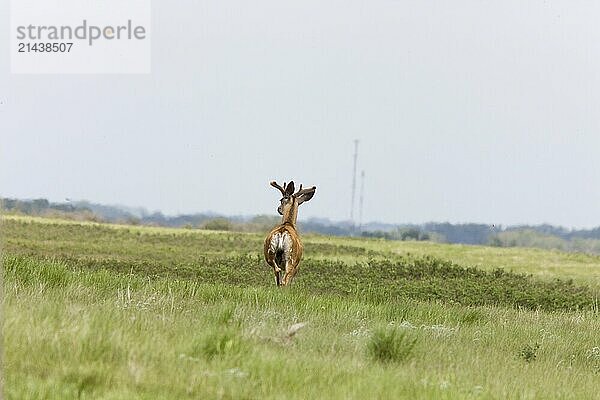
(283, 248)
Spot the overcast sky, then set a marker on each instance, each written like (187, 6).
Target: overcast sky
(466, 111)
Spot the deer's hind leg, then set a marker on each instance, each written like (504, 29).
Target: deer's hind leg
(290, 271)
(276, 270)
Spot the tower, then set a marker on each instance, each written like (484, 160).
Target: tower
(353, 182)
(360, 199)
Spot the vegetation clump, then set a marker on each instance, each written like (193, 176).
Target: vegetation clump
(218, 224)
(220, 344)
(529, 352)
(390, 345)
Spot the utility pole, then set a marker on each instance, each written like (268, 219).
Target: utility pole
(354, 182)
(360, 200)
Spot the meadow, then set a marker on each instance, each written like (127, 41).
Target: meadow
(125, 312)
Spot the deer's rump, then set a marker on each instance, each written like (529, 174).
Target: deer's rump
(280, 246)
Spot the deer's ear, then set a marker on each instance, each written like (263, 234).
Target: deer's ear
(306, 195)
(289, 189)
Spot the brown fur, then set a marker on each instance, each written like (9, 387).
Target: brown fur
(289, 210)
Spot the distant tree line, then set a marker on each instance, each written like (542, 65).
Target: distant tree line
(36, 206)
(398, 234)
(542, 236)
(529, 237)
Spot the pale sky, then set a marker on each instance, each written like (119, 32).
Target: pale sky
(466, 111)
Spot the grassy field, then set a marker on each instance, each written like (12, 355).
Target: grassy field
(104, 311)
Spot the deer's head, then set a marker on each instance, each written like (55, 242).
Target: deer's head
(290, 200)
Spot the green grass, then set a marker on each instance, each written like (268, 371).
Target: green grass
(135, 242)
(546, 264)
(97, 311)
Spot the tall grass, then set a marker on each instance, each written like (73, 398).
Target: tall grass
(82, 321)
